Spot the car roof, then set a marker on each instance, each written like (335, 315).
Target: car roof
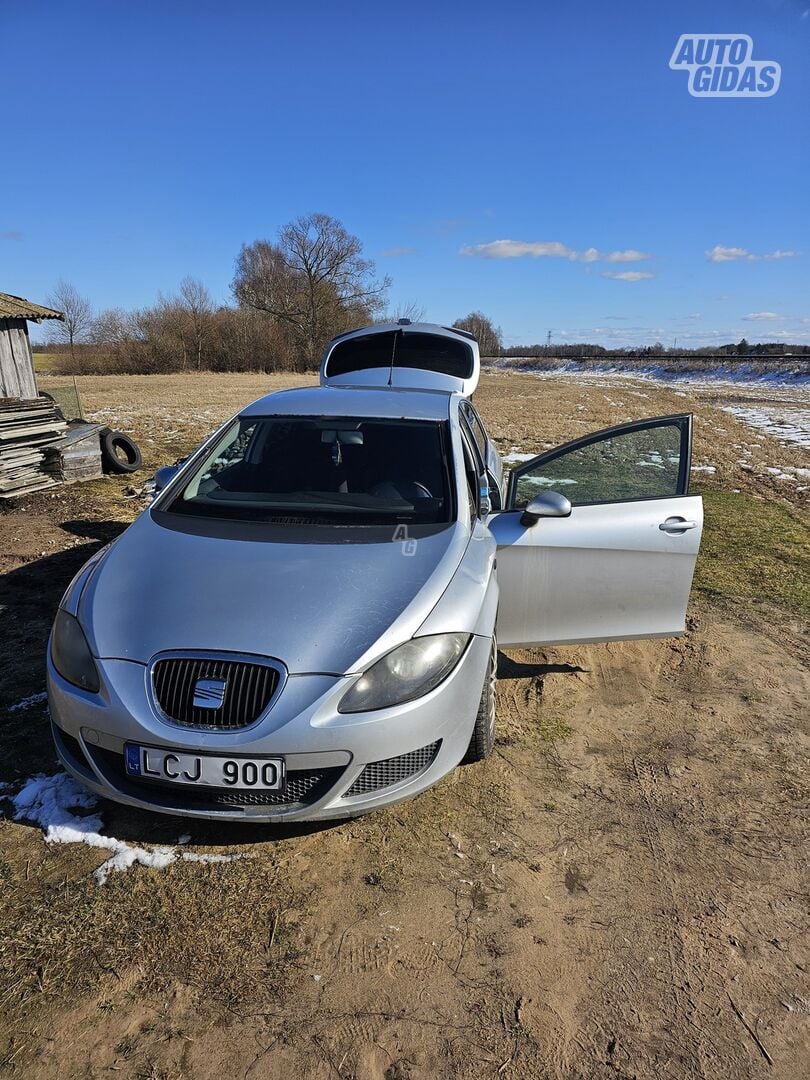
(354, 401)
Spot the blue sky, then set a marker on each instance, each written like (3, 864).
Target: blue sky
(145, 141)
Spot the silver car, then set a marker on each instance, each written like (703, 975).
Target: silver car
(303, 624)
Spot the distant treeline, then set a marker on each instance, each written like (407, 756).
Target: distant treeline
(742, 351)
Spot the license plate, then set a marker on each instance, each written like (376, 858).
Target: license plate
(204, 770)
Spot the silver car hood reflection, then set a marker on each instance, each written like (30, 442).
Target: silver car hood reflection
(317, 606)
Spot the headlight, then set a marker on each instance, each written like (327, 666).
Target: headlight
(407, 672)
(71, 654)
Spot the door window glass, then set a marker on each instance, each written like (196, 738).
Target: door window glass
(476, 427)
(471, 472)
(636, 463)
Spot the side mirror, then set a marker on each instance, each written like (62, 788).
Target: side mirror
(164, 476)
(548, 504)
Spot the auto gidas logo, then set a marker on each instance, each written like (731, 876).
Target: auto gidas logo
(724, 66)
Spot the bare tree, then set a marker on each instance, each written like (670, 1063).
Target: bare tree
(78, 316)
(196, 300)
(488, 336)
(411, 311)
(112, 326)
(314, 280)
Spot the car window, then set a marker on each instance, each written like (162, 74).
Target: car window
(640, 463)
(476, 427)
(471, 473)
(232, 451)
(394, 348)
(336, 469)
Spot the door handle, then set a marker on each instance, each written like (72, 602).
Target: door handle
(676, 525)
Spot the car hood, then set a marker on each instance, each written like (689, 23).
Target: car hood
(317, 606)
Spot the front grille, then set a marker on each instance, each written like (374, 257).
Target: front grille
(249, 689)
(303, 787)
(381, 774)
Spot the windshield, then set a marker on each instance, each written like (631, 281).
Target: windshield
(311, 470)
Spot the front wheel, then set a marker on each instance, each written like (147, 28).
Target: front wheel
(483, 736)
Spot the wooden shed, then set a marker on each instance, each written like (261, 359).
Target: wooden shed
(17, 378)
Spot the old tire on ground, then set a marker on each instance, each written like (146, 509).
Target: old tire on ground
(483, 736)
(119, 454)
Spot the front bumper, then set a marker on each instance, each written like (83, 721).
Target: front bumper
(338, 765)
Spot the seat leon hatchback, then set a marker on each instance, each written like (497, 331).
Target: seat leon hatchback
(303, 624)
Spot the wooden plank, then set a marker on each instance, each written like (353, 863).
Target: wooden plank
(9, 380)
(21, 349)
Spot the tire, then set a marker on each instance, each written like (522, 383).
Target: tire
(483, 736)
(119, 454)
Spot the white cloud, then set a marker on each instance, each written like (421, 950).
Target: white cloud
(538, 249)
(519, 249)
(397, 252)
(631, 255)
(628, 275)
(719, 253)
(727, 254)
(761, 316)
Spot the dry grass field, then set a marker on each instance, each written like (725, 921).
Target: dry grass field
(620, 891)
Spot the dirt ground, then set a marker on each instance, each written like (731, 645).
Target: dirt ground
(620, 891)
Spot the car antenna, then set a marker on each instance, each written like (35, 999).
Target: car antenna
(400, 323)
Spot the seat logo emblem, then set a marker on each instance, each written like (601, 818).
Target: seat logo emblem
(209, 693)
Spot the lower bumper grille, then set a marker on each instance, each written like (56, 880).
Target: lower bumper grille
(303, 787)
(382, 774)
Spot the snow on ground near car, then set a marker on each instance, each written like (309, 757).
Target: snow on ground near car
(55, 803)
(786, 424)
(771, 373)
(27, 703)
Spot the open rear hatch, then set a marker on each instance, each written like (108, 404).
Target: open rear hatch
(415, 355)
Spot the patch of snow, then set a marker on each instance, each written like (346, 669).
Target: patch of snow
(54, 802)
(780, 474)
(193, 856)
(714, 373)
(545, 480)
(789, 424)
(704, 468)
(516, 455)
(26, 703)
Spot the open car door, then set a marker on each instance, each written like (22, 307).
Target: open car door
(621, 564)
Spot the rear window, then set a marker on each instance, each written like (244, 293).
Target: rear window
(426, 352)
(315, 470)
